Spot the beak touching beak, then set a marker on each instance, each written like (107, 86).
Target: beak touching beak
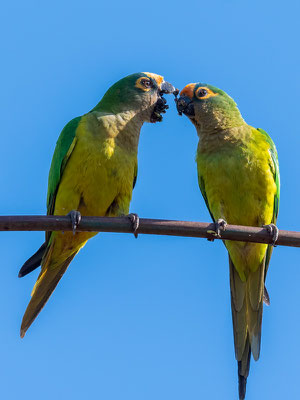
(185, 105)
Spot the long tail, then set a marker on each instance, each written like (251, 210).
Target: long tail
(247, 308)
(47, 281)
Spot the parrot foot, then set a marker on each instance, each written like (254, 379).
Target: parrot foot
(274, 232)
(220, 225)
(135, 221)
(75, 219)
(266, 297)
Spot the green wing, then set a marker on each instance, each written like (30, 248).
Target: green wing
(64, 147)
(274, 165)
(202, 188)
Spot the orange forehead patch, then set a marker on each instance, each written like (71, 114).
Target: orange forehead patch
(188, 90)
(159, 79)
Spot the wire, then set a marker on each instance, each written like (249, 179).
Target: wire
(148, 226)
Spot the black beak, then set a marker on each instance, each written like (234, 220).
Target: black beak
(167, 88)
(185, 106)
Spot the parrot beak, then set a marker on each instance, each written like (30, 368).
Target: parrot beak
(185, 106)
(167, 88)
(161, 104)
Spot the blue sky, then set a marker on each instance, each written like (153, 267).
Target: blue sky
(148, 318)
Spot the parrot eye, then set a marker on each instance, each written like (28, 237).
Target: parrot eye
(205, 93)
(144, 84)
(201, 93)
(147, 83)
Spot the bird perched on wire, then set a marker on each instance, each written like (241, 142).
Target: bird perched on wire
(238, 175)
(93, 173)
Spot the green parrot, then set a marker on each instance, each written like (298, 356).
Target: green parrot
(238, 175)
(93, 173)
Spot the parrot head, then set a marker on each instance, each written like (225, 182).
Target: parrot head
(208, 107)
(141, 93)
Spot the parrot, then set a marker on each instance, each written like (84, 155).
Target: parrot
(238, 176)
(93, 173)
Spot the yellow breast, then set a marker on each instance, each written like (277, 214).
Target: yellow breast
(97, 172)
(240, 188)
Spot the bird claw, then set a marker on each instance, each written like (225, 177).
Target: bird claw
(220, 224)
(274, 232)
(75, 219)
(135, 221)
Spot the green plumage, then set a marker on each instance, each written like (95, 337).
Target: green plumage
(93, 171)
(60, 158)
(238, 176)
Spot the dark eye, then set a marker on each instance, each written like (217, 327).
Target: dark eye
(201, 93)
(146, 82)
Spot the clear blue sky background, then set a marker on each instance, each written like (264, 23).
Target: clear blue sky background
(149, 318)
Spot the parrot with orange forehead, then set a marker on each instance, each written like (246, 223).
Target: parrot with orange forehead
(238, 175)
(93, 173)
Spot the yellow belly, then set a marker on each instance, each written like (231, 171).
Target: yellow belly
(92, 180)
(241, 191)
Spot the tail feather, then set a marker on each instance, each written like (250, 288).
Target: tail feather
(45, 285)
(243, 369)
(247, 308)
(255, 287)
(239, 311)
(239, 331)
(33, 262)
(254, 295)
(254, 329)
(238, 288)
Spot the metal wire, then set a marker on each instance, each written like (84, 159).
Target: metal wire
(148, 226)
